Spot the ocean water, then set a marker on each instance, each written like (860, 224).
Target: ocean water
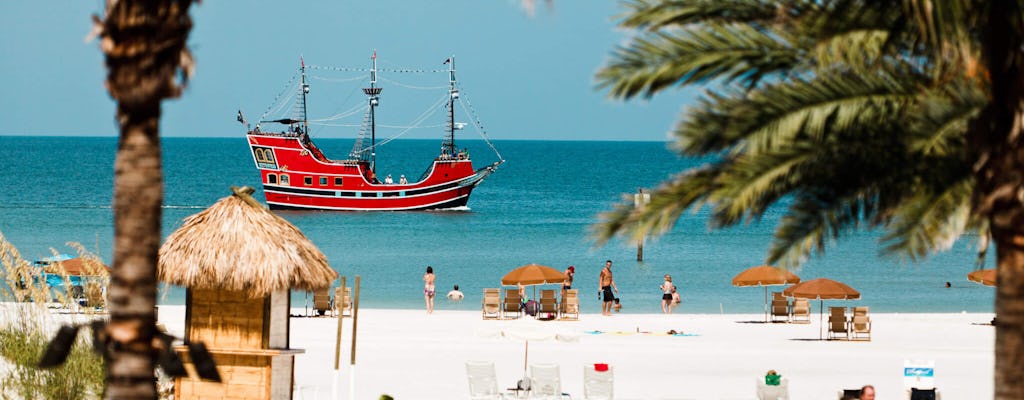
(537, 208)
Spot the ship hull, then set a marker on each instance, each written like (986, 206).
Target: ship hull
(296, 176)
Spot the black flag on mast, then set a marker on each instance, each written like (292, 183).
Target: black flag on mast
(241, 118)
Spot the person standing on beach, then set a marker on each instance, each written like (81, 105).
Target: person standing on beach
(607, 285)
(428, 289)
(667, 288)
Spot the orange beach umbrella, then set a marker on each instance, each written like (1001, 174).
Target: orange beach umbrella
(765, 275)
(533, 274)
(822, 289)
(985, 277)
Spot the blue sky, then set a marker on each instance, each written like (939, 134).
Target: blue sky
(529, 77)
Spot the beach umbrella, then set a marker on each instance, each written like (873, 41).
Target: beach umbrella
(527, 330)
(822, 289)
(985, 277)
(533, 274)
(765, 275)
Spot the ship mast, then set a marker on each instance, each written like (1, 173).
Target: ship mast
(373, 93)
(448, 145)
(305, 91)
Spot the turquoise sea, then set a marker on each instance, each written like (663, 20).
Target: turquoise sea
(536, 209)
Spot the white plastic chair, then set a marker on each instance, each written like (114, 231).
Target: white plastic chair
(483, 381)
(772, 392)
(598, 385)
(546, 381)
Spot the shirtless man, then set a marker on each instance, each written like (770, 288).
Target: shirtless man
(607, 285)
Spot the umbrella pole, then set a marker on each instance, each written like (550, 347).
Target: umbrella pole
(766, 304)
(526, 356)
(821, 304)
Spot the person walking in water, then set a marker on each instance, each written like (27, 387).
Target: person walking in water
(428, 289)
(607, 285)
(667, 288)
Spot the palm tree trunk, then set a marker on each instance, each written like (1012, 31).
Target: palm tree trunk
(996, 136)
(144, 44)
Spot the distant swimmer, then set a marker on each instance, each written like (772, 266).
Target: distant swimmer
(455, 295)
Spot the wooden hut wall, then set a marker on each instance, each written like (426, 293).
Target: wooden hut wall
(227, 319)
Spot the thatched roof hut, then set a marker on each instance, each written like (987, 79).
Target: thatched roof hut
(239, 262)
(237, 244)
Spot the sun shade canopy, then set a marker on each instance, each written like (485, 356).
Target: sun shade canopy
(237, 244)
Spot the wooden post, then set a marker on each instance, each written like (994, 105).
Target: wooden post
(355, 319)
(341, 316)
(640, 200)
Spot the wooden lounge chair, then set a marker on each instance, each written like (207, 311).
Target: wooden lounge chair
(343, 301)
(322, 301)
(571, 304)
(860, 326)
(492, 303)
(801, 311)
(548, 303)
(780, 309)
(837, 323)
(513, 304)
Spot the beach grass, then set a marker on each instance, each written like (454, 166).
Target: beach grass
(32, 311)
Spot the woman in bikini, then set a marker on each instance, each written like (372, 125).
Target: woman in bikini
(428, 289)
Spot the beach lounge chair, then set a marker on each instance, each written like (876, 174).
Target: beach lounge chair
(571, 304)
(780, 309)
(548, 303)
(492, 303)
(801, 311)
(513, 304)
(343, 301)
(860, 326)
(546, 382)
(483, 381)
(598, 385)
(322, 301)
(837, 323)
(772, 392)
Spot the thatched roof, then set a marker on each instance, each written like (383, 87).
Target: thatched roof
(237, 244)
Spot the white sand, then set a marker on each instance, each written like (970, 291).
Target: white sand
(411, 355)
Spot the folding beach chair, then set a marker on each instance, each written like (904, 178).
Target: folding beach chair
(571, 304)
(322, 301)
(801, 311)
(837, 323)
(860, 325)
(548, 303)
(491, 306)
(598, 385)
(343, 301)
(513, 304)
(780, 309)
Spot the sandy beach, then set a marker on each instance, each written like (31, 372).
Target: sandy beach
(411, 355)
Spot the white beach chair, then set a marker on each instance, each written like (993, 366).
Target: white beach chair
(772, 392)
(483, 381)
(546, 382)
(598, 385)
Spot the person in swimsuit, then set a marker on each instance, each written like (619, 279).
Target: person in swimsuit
(607, 285)
(428, 289)
(666, 297)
